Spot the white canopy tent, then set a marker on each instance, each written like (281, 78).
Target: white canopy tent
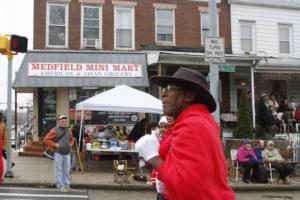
(120, 99)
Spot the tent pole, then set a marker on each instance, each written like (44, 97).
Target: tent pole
(80, 132)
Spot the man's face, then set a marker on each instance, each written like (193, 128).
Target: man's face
(62, 123)
(173, 99)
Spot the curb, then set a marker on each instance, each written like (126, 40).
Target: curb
(101, 186)
(267, 187)
(139, 187)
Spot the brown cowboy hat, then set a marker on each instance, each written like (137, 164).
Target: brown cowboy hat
(192, 80)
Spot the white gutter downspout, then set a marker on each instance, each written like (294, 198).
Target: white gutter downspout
(253, 94)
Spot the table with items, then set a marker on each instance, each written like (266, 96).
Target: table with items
(108, 146)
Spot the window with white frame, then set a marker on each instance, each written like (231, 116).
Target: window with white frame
(165, 28)
(124, 28)
(91, 26)
(205, 26)
(285, 37)
(247, 33)
(57, 25)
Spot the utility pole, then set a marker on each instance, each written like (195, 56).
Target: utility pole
(11, 47)
(8, 172)
(213, 67)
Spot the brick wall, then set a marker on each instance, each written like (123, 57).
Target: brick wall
(187, 23)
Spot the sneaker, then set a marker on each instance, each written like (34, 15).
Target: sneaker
(70, 189)
(63, 190)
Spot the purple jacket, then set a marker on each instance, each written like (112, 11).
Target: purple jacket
(243, 153)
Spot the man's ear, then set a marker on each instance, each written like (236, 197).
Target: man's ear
(190, 97)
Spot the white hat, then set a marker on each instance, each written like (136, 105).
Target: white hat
(270, 142)
(62, 117)
(263, 95)
(163, 119)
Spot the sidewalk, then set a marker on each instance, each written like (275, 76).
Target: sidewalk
(38, 172)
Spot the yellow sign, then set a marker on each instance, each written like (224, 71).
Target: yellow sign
(4, 44)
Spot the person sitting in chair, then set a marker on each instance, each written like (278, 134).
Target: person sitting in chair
(271, 154)
(261, 177)
(248, 160)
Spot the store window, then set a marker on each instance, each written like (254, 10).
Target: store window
(98, 119)
(57, 25)
(124, 28)
(91, 26)
(247, 36)
(48, 109)
(77, 95)
(165, 25)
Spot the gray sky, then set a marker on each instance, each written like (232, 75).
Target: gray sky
(16, 17)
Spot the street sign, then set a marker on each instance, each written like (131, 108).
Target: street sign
(227, 67)
(214, 50)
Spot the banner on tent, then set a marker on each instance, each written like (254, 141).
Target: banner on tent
(122, 118)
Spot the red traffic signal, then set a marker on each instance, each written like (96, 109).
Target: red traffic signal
(18, 43)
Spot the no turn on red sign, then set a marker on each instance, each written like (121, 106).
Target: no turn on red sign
(214, 50)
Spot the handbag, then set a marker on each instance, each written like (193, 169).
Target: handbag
(50, 154)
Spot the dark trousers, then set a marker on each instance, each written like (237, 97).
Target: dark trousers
(283, 169)
(4, 155)
(247, 173)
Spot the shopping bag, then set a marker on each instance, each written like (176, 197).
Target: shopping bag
(49, 154)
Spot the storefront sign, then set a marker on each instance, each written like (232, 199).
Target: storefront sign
(122, 118)
(84, 70)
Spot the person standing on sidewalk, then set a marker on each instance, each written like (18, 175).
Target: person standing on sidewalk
(62, 149)
(190, 158)
(4, 138)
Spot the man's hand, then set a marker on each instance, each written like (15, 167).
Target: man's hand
(56, 145)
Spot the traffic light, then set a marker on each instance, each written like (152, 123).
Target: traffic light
(18, 43)
(4, 44)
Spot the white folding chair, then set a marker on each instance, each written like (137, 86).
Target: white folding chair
(272, 171)
(234, 163)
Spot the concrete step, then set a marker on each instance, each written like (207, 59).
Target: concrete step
(29, 153)
(33, 148)
(35, 143)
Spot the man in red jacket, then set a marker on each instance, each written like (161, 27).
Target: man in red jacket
(189, 159)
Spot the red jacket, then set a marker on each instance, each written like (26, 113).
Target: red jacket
(194, 167)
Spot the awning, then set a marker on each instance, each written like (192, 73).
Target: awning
(278, 65)
(196, 58)
(81, 69)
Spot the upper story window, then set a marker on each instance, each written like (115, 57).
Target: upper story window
(57, 25)
(205, 26)
(165, 25)
(124, 28)
(91, 26)
(247, 34)
(285, 39)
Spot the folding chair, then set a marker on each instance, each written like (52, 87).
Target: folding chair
(235, 163)
(272, 170)
(120, 171)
